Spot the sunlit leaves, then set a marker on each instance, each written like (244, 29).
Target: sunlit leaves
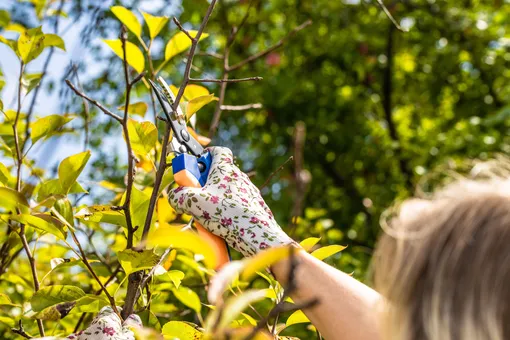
(5, 18)
(297, 317)
(31, 81)
(46, 126)
(70, 168)
(102, 213)
(135, 57)
(53, 40)
(139, 109)
(172, 236)
(143, 136)
(263, 260)
(44, 223)
(165, 212)
(65, 209)
(52, 295)
(90, 304)
(180, 43)
(180, 330)
(30, 44)
(154, 23)
(188, 298)
(132, 260)
(193, 91)
(197, 103)
(11, 199)
(327, 251)
(309, 243)
(129, 19)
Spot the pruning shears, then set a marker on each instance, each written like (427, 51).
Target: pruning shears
(192, 163)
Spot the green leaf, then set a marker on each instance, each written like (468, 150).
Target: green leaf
(42, 222)
(139, 206)
(180, 330)
(132, 261)
(135, 57)
(31, 81)
(5, 174)
(180, 43)
(188, 298)
(4, 299)
(143, 136)
(70, 168)
(129, 19)
(197, 103)
(309, 243)
(12, 199)
(10, 322)
(30, 44)
(46, 126)
(55, 41)
(139, 109)
(297, 317)
(154, 23)
(90, 304)
(52, 295)
(11, 43)
(328, 251)
(64, 208)
(102, 213)
(175, 276)
(5, 18)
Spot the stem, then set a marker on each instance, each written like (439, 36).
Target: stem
(19, 156)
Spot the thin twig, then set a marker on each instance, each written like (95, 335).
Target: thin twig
(241, 107)
(86, 110)
(210, 54)
(238, 80)
(280, 168)
(94, 102)
(183, 30)
(388, 14)
(21, 331)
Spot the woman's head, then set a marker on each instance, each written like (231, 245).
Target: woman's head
(443, 264)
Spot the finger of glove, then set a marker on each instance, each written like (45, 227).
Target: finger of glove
(133, 321)
(179, 199)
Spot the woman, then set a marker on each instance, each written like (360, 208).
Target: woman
(441, 270)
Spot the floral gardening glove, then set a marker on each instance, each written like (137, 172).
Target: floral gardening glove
(106, 326)
(230, 206)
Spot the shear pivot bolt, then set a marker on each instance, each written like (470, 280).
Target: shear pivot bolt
(185, 135)
(182, 149)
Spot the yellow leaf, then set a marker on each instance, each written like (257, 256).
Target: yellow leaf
(172, 236)
(180, 330)
(154, 23)
(174, 89)
(263, 260)
(15, 27)
(165, 212)
(309, 243)
(194, 91)
(145, 164)
(135, 57)
(328, 251)
(54, 40)
(129, 19)
(297, 317)
(143, 136)
(180, 43)
(197, 103)
(30, 44)
(139, 108)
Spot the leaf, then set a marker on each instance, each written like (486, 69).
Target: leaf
(90, 304)
(135, 57)
(70, 168)
(30, 44)
(44, 127)
(188, 298)
(154, 23)
(5, 18)
(139, 206)
(328, 251)
(11, 43)
(171, 236)
(235, 305)
(55, 41)
(180, 43)
(52, 295)
(193, 91)
(132, 261)
(165, 212)
(102, 213)
(197, 103)
(64, 208)
(309, 243)
(31, 81)
(143, 136)
(297, 317)
(43, 223)
(139, 108)
(263, 260)
(12, 199)
(5, 175)
(223, 279)
(4, 299)
(175, 276)
(180, 330)
(129, 19)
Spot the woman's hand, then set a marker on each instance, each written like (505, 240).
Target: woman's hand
(107, 326)
(230, 206)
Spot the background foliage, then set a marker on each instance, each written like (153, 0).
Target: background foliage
(382, 109)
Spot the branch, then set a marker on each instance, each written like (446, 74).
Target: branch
(86, 109)
(21, 331)
(388, 14)
(270, 49)
(280, 168)
(94, 102)
(301, 176)
(183, 30)
(238, 80)
(241, 107)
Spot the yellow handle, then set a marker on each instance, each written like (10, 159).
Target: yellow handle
(185, 179)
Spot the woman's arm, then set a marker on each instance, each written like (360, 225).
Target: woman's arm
(346, 309)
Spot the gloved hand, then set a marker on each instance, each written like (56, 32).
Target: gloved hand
(230, 206)
(107, 326)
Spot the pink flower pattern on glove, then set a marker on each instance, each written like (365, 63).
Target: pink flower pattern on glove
(231, 206)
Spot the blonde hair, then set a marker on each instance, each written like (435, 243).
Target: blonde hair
(443, 263)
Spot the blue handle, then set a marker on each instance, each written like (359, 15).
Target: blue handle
(190, 163)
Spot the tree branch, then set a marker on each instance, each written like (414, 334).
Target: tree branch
(183, 30)
(238, 80)
(388, 14)
(241, 107)
(280, 168)
(21, 331)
